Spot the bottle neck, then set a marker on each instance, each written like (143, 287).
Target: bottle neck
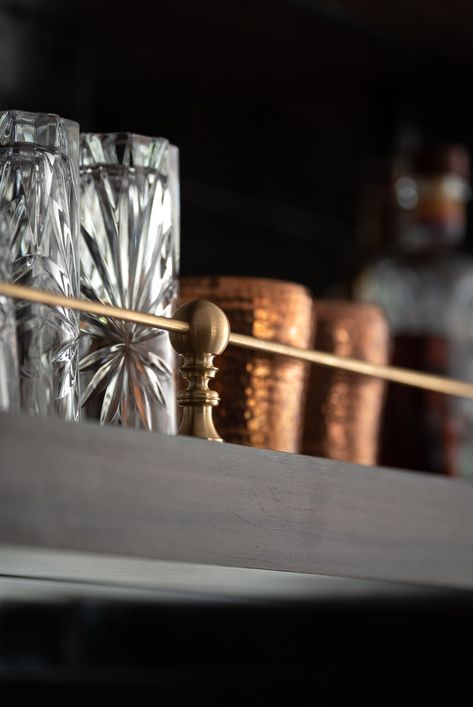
(431, 213)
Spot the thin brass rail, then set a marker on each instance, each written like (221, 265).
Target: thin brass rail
(106, 310)
(404, 376)
(427, 381)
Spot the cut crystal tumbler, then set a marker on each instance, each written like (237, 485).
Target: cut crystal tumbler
(129, 257)
(9, 382)
(39, 192)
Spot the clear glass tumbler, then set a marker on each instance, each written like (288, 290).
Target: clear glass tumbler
(129, 258)
(9, 381)
(39, 192)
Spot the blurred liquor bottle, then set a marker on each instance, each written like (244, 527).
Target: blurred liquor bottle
(424, 283)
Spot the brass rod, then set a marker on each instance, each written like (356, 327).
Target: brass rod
(427, 381)
(106, 310)
(405, 376)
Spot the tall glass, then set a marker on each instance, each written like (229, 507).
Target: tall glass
(129, 258)
(39, 191)
(9, 382)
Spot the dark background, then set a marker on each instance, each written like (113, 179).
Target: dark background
(274, 104)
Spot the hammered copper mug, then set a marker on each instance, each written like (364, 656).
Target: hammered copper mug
(343, 409)
(262, 395)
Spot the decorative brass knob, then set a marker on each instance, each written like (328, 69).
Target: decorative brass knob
(207, 337)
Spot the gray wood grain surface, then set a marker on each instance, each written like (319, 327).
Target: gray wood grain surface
(119, 492)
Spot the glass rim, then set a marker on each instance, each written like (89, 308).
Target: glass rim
(52, 117)
(29, 130)
(121, 136)
(126, 149)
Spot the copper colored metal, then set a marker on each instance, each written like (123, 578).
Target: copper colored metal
(343, 409)
(262, 395)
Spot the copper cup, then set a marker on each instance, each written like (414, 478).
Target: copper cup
(343, 409)
(262, 396)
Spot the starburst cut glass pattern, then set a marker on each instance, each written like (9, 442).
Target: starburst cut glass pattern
(39, 165)
(129, 258)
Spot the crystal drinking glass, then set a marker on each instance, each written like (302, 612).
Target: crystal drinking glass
(9, 382)
(129, 258)
(39, 192)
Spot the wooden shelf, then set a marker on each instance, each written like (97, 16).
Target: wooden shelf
(112, 506)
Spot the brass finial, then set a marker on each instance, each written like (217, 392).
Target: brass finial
(207, 337)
